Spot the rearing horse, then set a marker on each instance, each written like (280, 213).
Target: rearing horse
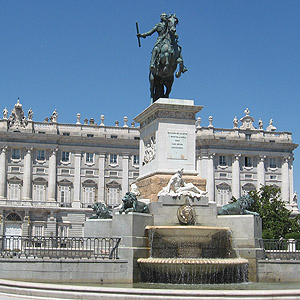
(166, 55)
(162, 77)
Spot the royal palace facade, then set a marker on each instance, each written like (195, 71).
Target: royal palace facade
(52, 173)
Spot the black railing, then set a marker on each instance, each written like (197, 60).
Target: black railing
(282, 249)
(59, 247)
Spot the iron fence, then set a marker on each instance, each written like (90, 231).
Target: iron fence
(59, 247)
(282, 249)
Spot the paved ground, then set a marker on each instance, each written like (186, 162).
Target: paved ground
(10, 297)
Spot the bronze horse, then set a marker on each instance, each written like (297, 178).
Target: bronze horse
(166, 55)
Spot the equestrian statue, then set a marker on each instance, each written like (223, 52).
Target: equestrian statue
(166, 55)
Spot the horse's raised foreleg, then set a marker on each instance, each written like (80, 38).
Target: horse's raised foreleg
(182, 68)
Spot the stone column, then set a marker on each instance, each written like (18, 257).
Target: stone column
(3, 172)
(285, 188)
(203, 165)
(236, 185)
(261, 171)
(291, 177)
(199, 165)
(77, 181)
(210, 185)
(101, 181)
(27, 174)
(125, 183)
(52, 175)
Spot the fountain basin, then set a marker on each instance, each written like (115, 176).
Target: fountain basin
(192, 254)
(194, 271)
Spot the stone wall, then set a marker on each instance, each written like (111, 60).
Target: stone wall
(278, 270)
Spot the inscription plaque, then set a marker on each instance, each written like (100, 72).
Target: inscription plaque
(177, 145)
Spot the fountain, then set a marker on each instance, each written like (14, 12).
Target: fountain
(192, 254)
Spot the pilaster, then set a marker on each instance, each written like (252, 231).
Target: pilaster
(285, 188)
(261, 171)
(52, 175)
(3, 172)
(125, 183)
(236, 184)
(77, 180)
(27, 174)
(211, 178)
(101, 183)
(291, 177)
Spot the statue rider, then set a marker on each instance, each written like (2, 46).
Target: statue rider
(162, 29)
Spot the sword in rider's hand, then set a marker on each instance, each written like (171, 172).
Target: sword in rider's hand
(138, 32)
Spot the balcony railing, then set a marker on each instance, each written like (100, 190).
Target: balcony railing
(282, 249)
(59, 247)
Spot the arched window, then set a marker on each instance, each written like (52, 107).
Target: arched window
(14, 188)
(113, 193)
(39, 189)
(89, 188)
(223, 190)
(64, 192)
(13, 217)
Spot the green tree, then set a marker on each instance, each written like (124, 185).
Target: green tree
(276, 218)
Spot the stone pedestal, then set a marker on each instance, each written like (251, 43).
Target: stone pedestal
(133, 245)
(97, 228)
(168, 137)
(165, 211)
(247, 232)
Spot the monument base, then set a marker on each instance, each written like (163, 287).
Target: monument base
(149, 186)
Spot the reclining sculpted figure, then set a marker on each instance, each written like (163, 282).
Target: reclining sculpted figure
(177, 187)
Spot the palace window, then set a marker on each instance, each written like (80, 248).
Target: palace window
(248, 161)
(38, 230)
(63, 231)
(89, 193)
(89, 157)
(223, 197)
(64, 197)
(113, 196)
(14, 191)
(273, 162)
(113, 193)
(248, 137)
(136, 159)
(223, 194)
(39, 192)
(16, 154)
(222, 160)
(113, 158)
(13, 217)
(65, 156)
(40, 155)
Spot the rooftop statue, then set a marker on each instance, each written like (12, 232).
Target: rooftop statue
(177, 187)
(166, 55)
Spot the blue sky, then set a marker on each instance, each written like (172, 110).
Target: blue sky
(82, 56)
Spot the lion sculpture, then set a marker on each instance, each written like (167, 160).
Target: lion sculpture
(131, 204)
(102, 211)
(239, 207)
